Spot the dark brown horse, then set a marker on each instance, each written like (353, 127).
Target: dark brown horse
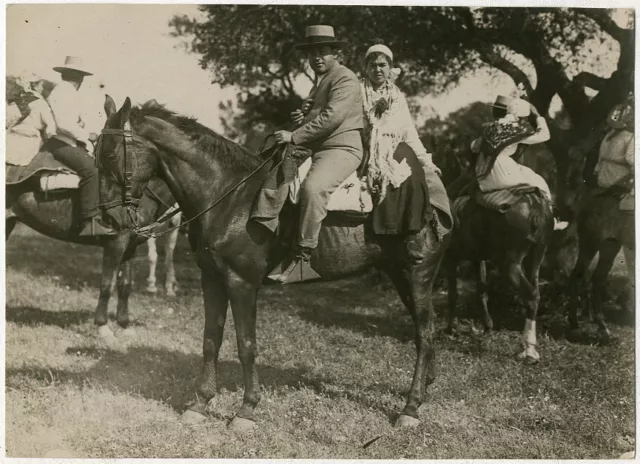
(215, 182)
(55, 214)
(602, 228)
(514, 241)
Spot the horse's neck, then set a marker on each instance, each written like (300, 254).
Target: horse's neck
(199, 184)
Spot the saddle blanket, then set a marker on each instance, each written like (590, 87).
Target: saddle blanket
(53, 174)
(501, 200)
(351, 195)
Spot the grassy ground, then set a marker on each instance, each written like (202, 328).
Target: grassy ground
(335, 363)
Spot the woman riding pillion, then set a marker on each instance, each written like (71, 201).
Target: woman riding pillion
(387, 122)
(25, 138)
(72, 141)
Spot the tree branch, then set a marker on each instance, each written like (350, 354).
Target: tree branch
(493, 58)
(590, 80)
(603, 19)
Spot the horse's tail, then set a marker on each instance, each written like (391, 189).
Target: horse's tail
(541, 215)
(531, 215)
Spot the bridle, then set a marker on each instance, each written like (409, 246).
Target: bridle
(128, 201)
(131, 204)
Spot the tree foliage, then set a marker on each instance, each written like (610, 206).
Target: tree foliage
(551, 51)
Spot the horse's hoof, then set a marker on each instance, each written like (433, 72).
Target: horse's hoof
(407, 421)
(241, 425)
(152, 289)
(192, 417)
(106, 336)
(529, 358)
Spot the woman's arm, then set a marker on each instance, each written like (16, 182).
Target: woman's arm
(542, 133)
(412, 139)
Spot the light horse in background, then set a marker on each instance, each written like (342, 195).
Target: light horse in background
(170, 241)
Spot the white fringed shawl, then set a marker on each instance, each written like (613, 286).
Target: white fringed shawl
(386, 132)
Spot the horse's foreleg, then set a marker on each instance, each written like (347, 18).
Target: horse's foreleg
(152, 256)
(215, 297)
(242, 296)
(125, 278)
(531, 298)
(414, 282)
(170, 284)
(112, 254)
(609, 249)
(482, 289)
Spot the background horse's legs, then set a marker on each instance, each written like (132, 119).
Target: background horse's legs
(528, 294)
(171, 240)
(243, 296)
(216, 301)
(609, 249)
(452, 294)
(112, 253)
(630, 261)
(579, 288)
(482, 289)
(152, 256)
(125, 279)
(414, 282)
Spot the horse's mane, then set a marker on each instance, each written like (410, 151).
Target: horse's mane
(231, 154)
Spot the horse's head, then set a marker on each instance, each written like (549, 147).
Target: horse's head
(126, 163)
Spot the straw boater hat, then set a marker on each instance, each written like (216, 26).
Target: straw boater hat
(320, 35)
(73, 63)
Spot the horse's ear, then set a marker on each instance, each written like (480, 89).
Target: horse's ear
(109, 106)
(125, 111)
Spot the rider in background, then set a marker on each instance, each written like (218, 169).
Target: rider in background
(72, 141)
(501, 171)
(615, 163)
(25, 138)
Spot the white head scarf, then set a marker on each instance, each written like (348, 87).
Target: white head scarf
(379, 48)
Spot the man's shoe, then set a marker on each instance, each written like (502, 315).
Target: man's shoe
(94, 227)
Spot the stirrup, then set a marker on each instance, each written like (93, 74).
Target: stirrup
(298, 270)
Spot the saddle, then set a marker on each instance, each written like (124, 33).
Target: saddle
(404, 210)
(495, 200)
(52, 173)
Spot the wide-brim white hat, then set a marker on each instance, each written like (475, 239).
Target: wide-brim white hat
(320, 35)
(73, 63)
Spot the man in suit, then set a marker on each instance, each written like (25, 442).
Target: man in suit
(329, 124)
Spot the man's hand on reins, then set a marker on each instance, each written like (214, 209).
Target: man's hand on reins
(282, 136)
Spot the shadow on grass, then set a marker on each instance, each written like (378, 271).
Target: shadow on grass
(80, 266)
(33, 317)
(170, 377)
(30, 316)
